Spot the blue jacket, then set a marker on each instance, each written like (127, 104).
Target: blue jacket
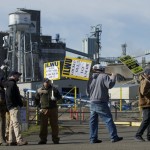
(98, 87)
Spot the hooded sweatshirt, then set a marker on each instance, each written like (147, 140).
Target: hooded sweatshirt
(98, 87)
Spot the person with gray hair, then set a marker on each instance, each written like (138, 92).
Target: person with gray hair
(144, 103)
(97, 90)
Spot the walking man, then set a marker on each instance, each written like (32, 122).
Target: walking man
(14, 102)
(46, 99)
(2, 113)
(97, 90)
(144, 103)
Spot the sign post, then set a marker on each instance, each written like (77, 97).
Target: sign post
(52, 72)
(77, 69)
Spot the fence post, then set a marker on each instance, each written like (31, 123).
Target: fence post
(37, 116)
(75, 97)
(80, 109)
(115, 111)
(27, 117)
(120, 98)
(82, 114)
(71, 113)
(77, 115)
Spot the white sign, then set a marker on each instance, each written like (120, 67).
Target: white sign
(52, 70)
(76, 68)
(79, 68)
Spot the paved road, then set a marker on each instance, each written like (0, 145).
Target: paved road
(77, 138)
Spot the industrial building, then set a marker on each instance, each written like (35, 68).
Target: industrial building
(89, 46)
(28, 50)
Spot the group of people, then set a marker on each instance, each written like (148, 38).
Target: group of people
(10, 103)
(97, 89)
(46, 99)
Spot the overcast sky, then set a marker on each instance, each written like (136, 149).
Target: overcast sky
(123, 21)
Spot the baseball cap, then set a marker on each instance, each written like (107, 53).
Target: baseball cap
(98, 67)
(147, 71)
(14, 73)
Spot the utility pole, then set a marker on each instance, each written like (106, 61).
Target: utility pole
(97, 31)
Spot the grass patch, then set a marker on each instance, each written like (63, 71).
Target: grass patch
(33, 129)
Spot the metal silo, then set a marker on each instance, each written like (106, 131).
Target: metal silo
(19, 37)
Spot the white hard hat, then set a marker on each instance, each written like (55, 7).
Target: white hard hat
(98, 67)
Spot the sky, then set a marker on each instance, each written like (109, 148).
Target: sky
(123, 21)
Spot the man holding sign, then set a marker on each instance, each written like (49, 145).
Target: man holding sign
(97, 90)
(46, 99)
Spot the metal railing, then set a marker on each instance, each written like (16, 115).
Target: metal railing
(79, 111)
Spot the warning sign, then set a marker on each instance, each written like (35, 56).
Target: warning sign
(132, 64)
(76, 68)
(52, 70)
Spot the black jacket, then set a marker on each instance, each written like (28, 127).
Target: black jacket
(13, 98)
(2, 98)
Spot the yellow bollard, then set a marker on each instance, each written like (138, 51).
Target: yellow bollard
(120, 98)
(37, 118)
(75, 97)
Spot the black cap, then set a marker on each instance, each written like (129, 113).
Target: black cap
(46, 80)
(14, 73)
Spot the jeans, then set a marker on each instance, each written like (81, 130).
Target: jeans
(102, 110)
(145, 124)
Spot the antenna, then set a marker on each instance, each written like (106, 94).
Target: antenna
(124, 46)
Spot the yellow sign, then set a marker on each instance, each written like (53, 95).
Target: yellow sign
(76, 68)
(132, 64)
(52, 70)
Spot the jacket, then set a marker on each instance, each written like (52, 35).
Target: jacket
(2, 98)
(144, 92)
(98, 86)
(43, 97)
(13, 98)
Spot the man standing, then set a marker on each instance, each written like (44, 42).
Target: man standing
(14, 102)
(46, 99)
(97, 90)
(2, 113)
(144, 103)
